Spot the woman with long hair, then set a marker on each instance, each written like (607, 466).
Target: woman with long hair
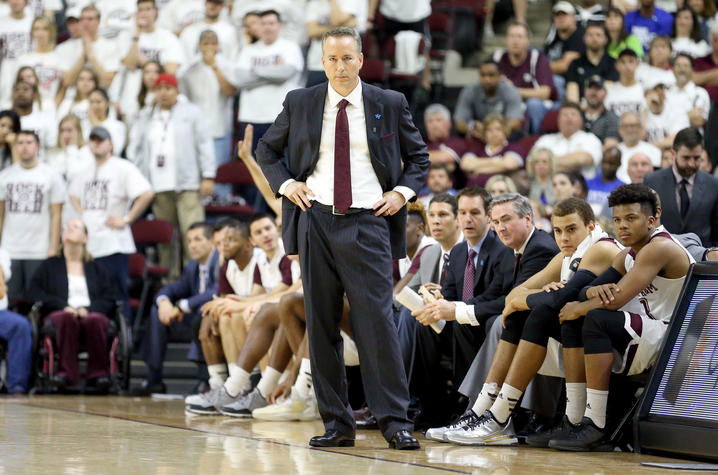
(658, 64)
(77, 98)
(9, 127)
(618, 38)
(71, 156)
(541, 165)
(45, 61)
(131, 97)
(77, 294)
(99, 115)
(686, 35)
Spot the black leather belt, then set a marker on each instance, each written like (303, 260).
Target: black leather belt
(335, 212)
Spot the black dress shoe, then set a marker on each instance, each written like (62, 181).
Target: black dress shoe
(58, 381)
(332, 438)
(403, 440)
(101, 384)
(147, 389)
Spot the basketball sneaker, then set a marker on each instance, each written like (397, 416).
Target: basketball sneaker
(542, 438)
(486, 431)
(244, 406)
(292, 408)
(209, 402)
(438, 433)
(585, 437)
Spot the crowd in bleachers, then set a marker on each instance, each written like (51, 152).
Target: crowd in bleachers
(116, 111)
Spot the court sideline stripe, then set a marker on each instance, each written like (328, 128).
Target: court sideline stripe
(159, 424)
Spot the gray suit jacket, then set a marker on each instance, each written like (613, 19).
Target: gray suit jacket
(430, 262)
(702, 217)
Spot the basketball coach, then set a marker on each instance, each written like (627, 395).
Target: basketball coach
(354, 159)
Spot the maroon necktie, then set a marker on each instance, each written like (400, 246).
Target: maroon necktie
(444, 270)
(342, 167)
(469, 275)
(516, 268)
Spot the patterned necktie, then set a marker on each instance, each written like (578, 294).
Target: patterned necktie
(444, 270)
(469, 275)
(342, 166)
(685, 200)
(516, 268)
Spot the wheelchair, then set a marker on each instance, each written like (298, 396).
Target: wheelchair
(119, 343)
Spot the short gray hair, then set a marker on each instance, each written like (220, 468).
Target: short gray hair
(439, 109)
(207, 34)
(522, 205)
(342, 31)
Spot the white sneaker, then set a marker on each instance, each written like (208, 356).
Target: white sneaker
(486, 431)
(437, 433)
(293, 408)
(243, 406)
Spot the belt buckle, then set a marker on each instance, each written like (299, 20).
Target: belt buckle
(337, 213)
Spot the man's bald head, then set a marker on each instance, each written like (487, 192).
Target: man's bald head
(639, 165)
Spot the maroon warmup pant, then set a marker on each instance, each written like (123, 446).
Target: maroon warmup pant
(68, 331)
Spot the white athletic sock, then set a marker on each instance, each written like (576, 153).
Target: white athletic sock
(238, 381)
(269, 381)
(575, 401)
(486, 398)
(596, 401)
(233, 369)
(303, 385)
(285, 375)
(505, 402)
(217, 374)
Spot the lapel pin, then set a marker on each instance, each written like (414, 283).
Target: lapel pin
(481, 263)
(378, 116)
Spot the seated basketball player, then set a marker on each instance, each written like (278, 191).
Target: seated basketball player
(627, 311)
(586, 250)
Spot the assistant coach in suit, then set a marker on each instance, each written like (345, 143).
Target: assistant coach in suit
(689, 196)
(344, 213)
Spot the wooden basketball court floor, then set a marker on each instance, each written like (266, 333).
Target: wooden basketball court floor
(108, 435)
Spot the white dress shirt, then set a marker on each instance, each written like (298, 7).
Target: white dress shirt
(366, 190)
(464, 313)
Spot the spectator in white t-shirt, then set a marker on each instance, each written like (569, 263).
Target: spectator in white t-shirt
(71, 156)
(574, 149)
(626, 95)
(46, 62)
(42, 122)
(208, 84)
(323, 15)
(267, 70)
(658, 63)
(292, 13)
(172, 146)
(117, 16)
(177, 15)
(662, 123)
(99, 115)
(31, 198)
(686, 95)
(211, 20)
(77, 98)
(149, 42)
(91, 50)
(131, 99)
(631, 130)
(110, 196)
(14, 42)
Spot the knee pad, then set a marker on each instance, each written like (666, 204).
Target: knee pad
(538, 324)
(572, 333)
(514, 327)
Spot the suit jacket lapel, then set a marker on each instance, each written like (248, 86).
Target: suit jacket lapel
(483, 255)
(695, 201)
(373, 115)
(671, 206)
(315, 118)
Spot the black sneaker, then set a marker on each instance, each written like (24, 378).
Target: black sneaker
(584, 437)
(147, 389)
(541, 438)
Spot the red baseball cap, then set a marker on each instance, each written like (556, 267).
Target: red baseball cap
(166, 79)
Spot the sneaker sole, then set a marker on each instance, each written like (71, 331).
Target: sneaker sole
(202, 411)
(500, 441)
(437, 438)
(240, 415)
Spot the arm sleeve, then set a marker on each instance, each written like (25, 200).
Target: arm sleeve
(568, 293)
(463, 105)
(257, 276)
(285, 269)
(609, 276)
(514, 105)
(223, 287)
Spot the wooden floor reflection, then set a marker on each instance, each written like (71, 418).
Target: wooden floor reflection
(89, 435)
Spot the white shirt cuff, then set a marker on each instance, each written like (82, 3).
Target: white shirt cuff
(161, 298)
(465, 314)
(184, 306)
(284, 186)
(406, 192)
